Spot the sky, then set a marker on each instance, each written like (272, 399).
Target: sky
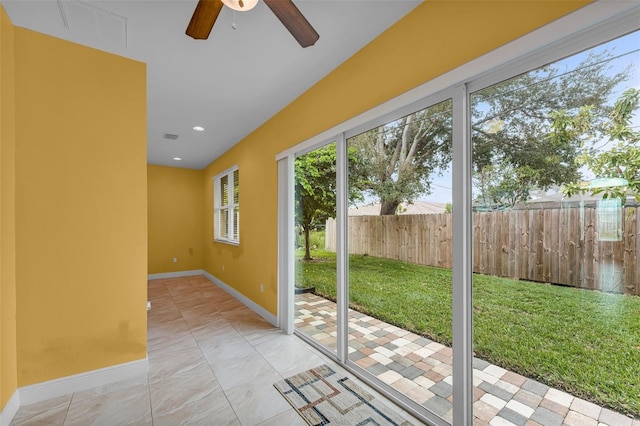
(627, 46)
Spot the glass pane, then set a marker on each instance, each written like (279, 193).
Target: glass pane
(224, 223)
(236, 186)
(315, 308)
(557, 284)
(236, 223)
(400, 253)
(224, 190)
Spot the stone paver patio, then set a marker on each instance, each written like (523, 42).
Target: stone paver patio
(421, 369)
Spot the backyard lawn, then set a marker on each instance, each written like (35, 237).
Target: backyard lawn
(585, 342)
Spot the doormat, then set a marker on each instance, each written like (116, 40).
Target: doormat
(324, 397)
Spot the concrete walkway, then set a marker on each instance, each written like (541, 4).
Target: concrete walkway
(421, 369)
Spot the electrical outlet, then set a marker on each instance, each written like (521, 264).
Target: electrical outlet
(223, 267)
(175, 259)
(261, 288)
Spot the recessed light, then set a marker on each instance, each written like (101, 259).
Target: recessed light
(177, 158)
(198, 128)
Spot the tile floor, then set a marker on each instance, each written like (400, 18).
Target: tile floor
(212, 361)
(421, 369)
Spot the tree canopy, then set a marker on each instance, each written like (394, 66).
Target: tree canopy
(619, 160)
(511, 124)
(315, 186)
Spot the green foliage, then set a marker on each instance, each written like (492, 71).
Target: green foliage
(315, 187)
(503, 185)
(398, 158)
(621, 161)
(512, 121)
(582, 341)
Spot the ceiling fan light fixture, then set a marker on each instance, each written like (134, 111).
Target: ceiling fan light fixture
(240, 5)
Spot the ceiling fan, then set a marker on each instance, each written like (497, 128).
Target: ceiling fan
(207, 12)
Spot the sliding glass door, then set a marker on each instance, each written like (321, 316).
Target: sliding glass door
(400, 256)
(498, 217)
(315, 267)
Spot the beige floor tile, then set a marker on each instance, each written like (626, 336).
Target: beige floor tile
(209, 410)
(257, 401)
(169, 394)
(49, 412)
(128, 406)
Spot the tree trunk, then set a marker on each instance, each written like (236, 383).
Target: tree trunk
(389, 207)
(307, 251)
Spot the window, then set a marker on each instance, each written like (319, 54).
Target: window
(226, 196)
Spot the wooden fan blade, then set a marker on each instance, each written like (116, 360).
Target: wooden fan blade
(294, 21)
(203, 18)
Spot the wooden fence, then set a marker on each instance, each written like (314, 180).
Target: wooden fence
(568, 246)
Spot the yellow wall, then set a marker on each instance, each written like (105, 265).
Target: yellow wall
(176, 218)
(81, 215)
(8, 362)
(434, 38)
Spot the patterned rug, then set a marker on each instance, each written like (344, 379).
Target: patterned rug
(324, 397)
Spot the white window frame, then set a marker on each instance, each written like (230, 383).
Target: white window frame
(227, 209)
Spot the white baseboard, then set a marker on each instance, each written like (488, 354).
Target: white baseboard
(9, 411)
(178, 274)
(272, 319)
(79, 382)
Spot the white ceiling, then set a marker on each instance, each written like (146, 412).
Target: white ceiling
(229, 84)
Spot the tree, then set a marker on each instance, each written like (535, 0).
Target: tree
(511, 122)
(400, 156)
(315, 188)
(621, 161)
(502, 185)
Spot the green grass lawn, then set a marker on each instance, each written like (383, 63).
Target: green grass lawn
(585, 342)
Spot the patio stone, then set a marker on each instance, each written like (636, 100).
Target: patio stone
(559, 396)
(554, 406)
(514, 378)
(495, 390)
(520, 408)
(366, 362)
(356, 356)
(480, 364)
(391, 346)
(404, 361)
(422, 341)
(494, 401)
(421, 369)
(507, 386)
(438, 405)
(389, 377)
(512, 416)
(424, 382)
(381, 359)
(397, 367)
(477, 393)
(530, 399)
(441, 357)
(574, 418)
(442, 389)
(366, 350)
(420, 394)
(614, 419)
(535, 387)
(377, 369)
(411, 372)
(436, 377)
(484, 411)
(587, 408)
